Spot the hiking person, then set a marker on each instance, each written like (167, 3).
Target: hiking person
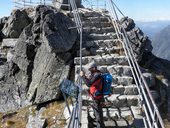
(94, 81)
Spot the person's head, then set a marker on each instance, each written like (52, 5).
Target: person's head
(92, 67)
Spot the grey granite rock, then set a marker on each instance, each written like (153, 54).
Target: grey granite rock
(15, 24)
(39, 61)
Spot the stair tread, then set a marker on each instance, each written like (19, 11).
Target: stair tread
(98, 56)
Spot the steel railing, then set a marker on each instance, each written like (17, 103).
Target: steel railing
(75, 119)
(94, 4)
(152, 118)
(31, 3)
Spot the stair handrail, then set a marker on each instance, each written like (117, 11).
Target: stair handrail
(153, 118)
(31, 3)
(75, 119)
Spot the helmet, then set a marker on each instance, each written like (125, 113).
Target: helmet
(92, 65)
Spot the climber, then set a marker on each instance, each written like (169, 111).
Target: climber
(94, 81)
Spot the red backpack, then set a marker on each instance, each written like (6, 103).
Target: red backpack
(96, 89)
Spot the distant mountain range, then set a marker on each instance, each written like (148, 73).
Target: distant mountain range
(161, 43)
(159, 33)
(152, 27)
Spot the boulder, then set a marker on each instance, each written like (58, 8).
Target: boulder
(127, 23)
(10, 55)
(58, 44)
(9, 43)
(15, 24)
(35, 120)
(139, 42)
(40, 61)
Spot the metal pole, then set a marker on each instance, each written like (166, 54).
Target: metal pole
(65, 98)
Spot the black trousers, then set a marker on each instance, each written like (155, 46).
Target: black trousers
(98, 113)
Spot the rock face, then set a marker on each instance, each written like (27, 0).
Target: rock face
(139, 42)
(3, 20)
(15, 24)
(36, 121)
(42, 58)
(141, 45)
(161, 43)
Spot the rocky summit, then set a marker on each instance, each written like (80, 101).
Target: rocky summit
(40, 47)
(41, 58)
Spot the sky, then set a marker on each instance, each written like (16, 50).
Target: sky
(139, 10)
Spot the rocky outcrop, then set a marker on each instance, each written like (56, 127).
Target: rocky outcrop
(3, 20)
(139, 42)
(36, 119)
(41, 59)
(15, 24)
(153, 66)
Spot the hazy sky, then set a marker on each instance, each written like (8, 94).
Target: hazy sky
(145, 10)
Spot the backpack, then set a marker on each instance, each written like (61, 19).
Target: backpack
(107, 82)
(102, 86)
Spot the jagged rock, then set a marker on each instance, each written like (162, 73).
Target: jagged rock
(3, 20)
(150, 80)
(2, 36)
(85, 52)
(35, 120)
(167, 84)
(15, 24)
(10, 55)
(58, 44)
(3, 69)
(127, 23)
(139, 42)
(9, 43)
(41, 60)
(30, 12)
